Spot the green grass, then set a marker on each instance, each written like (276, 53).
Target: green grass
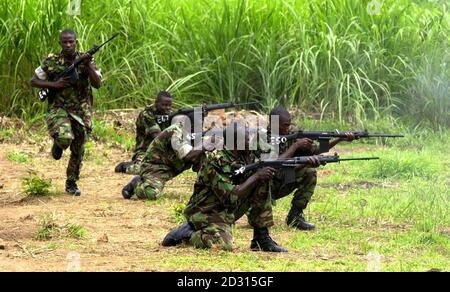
(49, 229)
(35, 186)
(75, 231)
(105, 133)
(323, 56)
(5, 134)
(178, 210)
(397, 207)
(18, 157)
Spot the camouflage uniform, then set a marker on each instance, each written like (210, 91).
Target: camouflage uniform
(146, 125)
(305, 180)
(69, 111)
(162, 162)
(214, 206)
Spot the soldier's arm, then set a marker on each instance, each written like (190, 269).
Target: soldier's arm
(350, 137)
(262, 175)
(94, 74)
(183, 147)
(58, 84)
(147, 122)
(219, 177)
(40, 78)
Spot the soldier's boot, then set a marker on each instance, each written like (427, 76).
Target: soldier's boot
(296, 219)
(262, 241)
(56, 151)
(177, 235)
(72, 188)
(122, 167)
(128, 190)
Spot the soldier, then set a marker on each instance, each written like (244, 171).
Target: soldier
(306, 177)
(150, 122)
(168, 155)
(70, 109)
(219, 201)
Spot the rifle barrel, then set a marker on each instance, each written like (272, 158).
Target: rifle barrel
(385, 135)
(358, 158)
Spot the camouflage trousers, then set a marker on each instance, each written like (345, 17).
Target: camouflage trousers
(153, 179)
(135, 166)
(215, 229)
(68, 132)
(303, 187)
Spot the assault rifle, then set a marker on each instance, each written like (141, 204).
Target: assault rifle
(324, 137)
(288, 165)
(204, 109)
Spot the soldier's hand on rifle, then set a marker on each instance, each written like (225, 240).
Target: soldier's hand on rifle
(61, 83)
(349, 137)
(303, 144)
(87, 58)
(265, 173)
(314, 161)
(165, 134)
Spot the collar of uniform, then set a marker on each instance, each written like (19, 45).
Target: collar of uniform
(62, 59)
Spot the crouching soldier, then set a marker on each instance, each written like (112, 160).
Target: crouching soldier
(150, 122)
(219, 200)
(305, 177)
(170, 154)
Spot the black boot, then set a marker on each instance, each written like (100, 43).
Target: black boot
(296, 219)
(262, 241)
(72, 188)
(177, 235)
(56, 151)
(122, 167)
(128, 190)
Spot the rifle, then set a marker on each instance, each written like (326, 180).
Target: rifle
(288, 165)
(205, 108)
(324, 137)
(45, 93)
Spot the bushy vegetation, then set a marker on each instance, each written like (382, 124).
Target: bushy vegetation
(330, 57)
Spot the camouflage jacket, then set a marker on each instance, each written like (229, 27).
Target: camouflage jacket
(169, 148)
(76, 99)
(146, 125)
(214, 196)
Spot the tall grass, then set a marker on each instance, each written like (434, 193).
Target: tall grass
(327, 56)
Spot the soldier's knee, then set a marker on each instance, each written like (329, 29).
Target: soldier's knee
(311, 174)
(63, 142)
(64, 136)
(147, 193)
(227, 246)
(197, 241)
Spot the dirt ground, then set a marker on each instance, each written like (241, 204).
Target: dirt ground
(122, 235)
(120, 232)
